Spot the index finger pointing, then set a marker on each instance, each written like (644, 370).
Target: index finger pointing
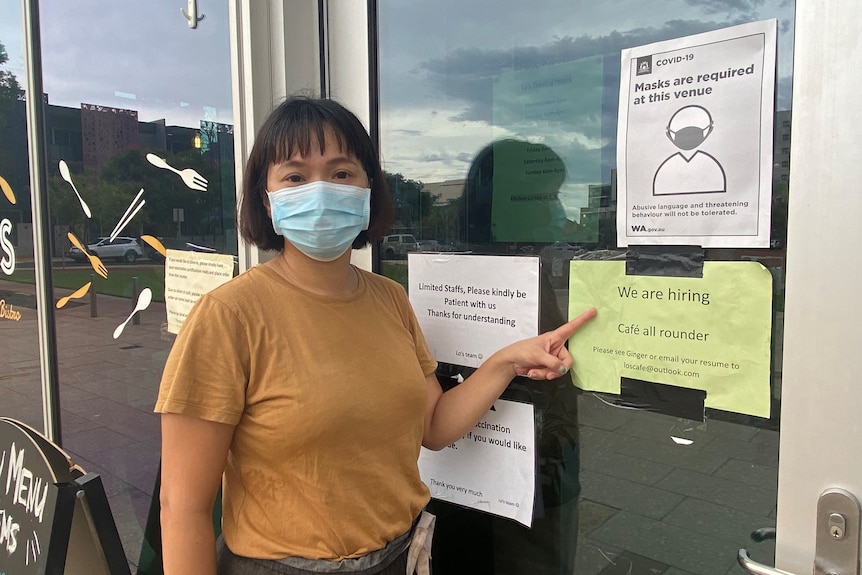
(567, 330)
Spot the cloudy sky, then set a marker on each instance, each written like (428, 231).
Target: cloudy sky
(438, 96)
(130, 54)
(439, 63)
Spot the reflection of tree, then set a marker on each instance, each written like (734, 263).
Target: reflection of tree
(10, 90)
(110, 191)
(412, 204)
(441, 223)
(417, 212)
(12, 133)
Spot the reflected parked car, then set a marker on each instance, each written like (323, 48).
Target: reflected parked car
(427, 245)
(397, 246)
(121, 248)
(434, 246)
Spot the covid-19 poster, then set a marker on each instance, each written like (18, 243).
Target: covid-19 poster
(695, 139)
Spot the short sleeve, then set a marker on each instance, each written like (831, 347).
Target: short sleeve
(423, 353)
(207, 371)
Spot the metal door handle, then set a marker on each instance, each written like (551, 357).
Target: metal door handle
(836, 551)
(753, 566)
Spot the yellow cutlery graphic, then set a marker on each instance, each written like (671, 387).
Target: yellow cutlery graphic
(155, 244)
(97, 264)
(7, 190)
(78, 293)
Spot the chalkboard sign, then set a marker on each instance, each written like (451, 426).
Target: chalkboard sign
(28, 497)
(53, 517)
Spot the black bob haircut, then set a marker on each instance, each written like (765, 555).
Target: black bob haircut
(293, 127)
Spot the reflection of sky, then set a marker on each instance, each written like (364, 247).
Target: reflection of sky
(437, 59)
(558, 106)
(573, 197)
(11, 37)
(130, 54)
(437, 96)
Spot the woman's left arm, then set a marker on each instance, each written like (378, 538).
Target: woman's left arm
(448, 416)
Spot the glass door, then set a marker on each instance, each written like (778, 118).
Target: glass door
(619, 489)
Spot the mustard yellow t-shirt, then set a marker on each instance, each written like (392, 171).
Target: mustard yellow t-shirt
(327, 395)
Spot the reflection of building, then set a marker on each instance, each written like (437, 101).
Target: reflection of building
(106, 131)
(600, 207)
(88, 137)
(217, 139)
(64, 135)
(602, 212)
(445, 192)
(174, 139)
(781, 149)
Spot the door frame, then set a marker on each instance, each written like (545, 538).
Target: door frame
(303, 46)
(821, 437)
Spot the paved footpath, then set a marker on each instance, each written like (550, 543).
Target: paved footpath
(108, 389)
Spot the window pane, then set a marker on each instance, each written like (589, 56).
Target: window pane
(614, 493)
(20, 380)
(140, 127)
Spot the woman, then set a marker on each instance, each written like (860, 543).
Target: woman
(305, 384)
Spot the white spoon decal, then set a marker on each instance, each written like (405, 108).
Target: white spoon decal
(144, 300)
(64, 172)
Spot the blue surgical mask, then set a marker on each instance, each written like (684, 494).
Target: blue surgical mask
(321, 219)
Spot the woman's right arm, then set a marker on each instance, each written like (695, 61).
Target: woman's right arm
(194, 453)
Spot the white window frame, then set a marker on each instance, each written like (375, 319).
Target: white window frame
(277, 50)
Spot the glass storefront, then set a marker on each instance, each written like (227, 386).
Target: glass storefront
(615, 493)
(140, 154)
(20, 381)
(140, 149)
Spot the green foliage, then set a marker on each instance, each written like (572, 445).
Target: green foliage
(118, 282)
(10, 89)
(417, 213)
(412, 204)
(441, 223)
(110, 192)
(13, 165)
(395, 271)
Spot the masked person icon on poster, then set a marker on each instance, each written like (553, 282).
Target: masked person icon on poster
(469, 541)
(304, 386)
(687, 171)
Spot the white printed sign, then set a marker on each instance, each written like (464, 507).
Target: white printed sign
(470, 306)
(695, 141)
(189, 275)
(504, 440)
